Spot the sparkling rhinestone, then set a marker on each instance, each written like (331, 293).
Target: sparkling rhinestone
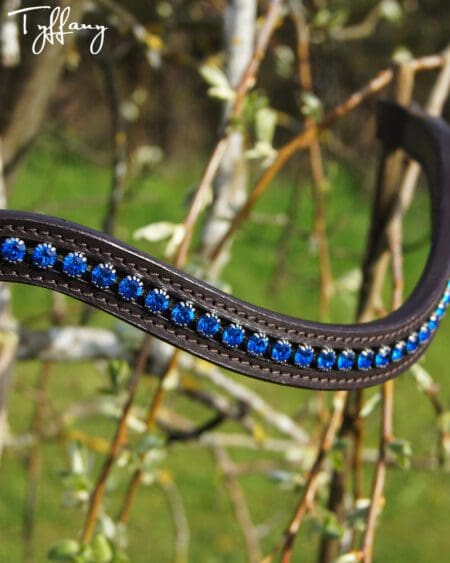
(281, 351)
(208, 325)
(383, 357)
(326, 359)
(103, 275)
(74, 264)
(257, 344)
(44, 255)
(440, 311)
(399, 351)
(131, 288)
(424, 333)
(446, 298)
(346, 360)
(304, 356)
(157, 300)
(433, 323)
(233, 336)
(183, 314)
(365, 359)
(13, 250)
(412, 343)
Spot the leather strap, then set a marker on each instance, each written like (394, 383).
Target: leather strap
(222, 329)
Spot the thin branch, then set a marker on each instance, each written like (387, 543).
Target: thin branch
(316, 165)
(180, 519)
(309, 134)
(246, 83)
(239, 504)
(306, 501)
(380, 472)
(119, 438)
(301, 142)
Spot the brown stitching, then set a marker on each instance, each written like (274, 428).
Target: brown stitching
(329, 379)
(223, 306)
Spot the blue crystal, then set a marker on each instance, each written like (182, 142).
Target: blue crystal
(446, 298)
(433, 323)
(412, 343)
(233, 336)
(365, 359)
(383, 357)
(304, 356)
(183, 314)
(326, 359)
(440, 311)
(281, 351)
(74, 264)
(208, 325)
(424, 334)
(103, 275)
(398, 352)
(13, 250)
(346, 360)
(157, 300)
(257, 344)
(130, 288)
(44, 255)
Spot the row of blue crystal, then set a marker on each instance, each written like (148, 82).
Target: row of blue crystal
(209, 325)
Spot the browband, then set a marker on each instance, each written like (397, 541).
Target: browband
(196, 317)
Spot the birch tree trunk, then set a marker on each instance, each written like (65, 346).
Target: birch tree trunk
(230, 185)
(8, 335)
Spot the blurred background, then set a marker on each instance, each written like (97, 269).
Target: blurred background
(121, 141)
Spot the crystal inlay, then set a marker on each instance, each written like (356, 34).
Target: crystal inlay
(13, 250)
(103, 276)
(257, 344)
(157, 300)
(74, 264)
(233, 336)
(281, 351)
(210, 325)
(44, 255)
(183, 314)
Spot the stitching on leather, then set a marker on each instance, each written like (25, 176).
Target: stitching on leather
(112, 302)
(58, 238)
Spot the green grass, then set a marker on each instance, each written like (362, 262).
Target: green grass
(415, 521)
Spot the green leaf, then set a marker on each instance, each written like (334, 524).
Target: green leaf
(217, 79)
(423, 379)
(265, 125)
(65, 550)
(311, 105)
(118, 372)
(370, 405)
(402, 452)
(391, 11)
(102, 548)
(348, 558)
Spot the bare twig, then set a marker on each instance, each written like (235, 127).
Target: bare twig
(180, 519)
(239, 504)
(99, 490)
(316, 165)
(246, 83)
(301, 142)
(307, 499)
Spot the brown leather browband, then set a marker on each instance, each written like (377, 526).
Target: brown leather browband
(196, 317)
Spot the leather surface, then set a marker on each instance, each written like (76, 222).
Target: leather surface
(425, 139)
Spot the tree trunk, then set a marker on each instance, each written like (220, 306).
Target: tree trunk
(231, 181)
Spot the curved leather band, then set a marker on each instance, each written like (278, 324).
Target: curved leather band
(293, 352)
